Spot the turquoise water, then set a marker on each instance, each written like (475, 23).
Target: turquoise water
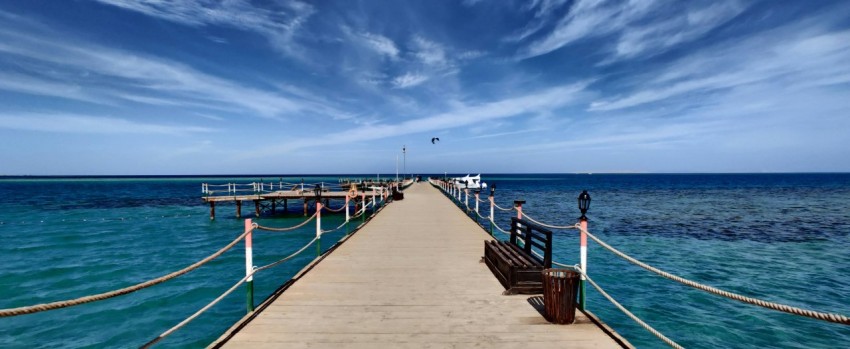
(782, 238)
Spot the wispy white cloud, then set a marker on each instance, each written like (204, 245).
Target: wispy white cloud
(380, 44)
(112, 75)
(462, 116)
(633, 22)
(70, 123)
(278, 21)
(793, 57)
(429, 52)
(409, 80)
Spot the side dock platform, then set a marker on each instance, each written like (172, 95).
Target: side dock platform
(412, 277)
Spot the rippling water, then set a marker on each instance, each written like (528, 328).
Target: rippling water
(783, 238)
(780, 237)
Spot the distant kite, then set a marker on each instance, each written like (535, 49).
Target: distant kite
(434, 140)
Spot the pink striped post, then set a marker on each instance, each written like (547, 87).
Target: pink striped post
(318, 226)
(363, 206)
(347, 215)
(249, 264)
(583, 206)
(518, 205)
(492, 210)
(476, 204)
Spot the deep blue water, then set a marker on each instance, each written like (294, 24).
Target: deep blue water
(780, 237)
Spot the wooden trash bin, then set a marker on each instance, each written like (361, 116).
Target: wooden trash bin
(560, 289)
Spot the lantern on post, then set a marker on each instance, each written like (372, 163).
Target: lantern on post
(583, 204)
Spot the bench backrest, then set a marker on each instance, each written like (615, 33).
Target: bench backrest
(532, 235)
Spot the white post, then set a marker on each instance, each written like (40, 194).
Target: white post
(249, 264)
(476, 205)
(347, 215)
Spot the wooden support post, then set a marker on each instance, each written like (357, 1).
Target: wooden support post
(257, 207)
(238, 208)
(212, 210)
(305, 207)
(274, 203)
(285, 206)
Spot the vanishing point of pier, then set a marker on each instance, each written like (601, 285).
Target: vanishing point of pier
(412, 277)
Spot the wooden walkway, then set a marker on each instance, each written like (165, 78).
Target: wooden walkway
(410, 278)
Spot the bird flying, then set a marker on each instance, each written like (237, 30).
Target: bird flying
(434, 140)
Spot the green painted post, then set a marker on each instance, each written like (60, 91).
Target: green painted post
(583, 206)
(249, 265)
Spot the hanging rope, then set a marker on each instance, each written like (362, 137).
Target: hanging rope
(334, 210)
(655, 332)
(106, 295)
(287, 229)
(501, 208)
(525, 216)
(335, 229)
(219, 298)
(836, 318)
(499, 229)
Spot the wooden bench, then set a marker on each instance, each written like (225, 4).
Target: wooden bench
(513, 263)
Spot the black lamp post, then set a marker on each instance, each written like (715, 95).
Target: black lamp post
(318, 192)
(583, 204)
(493, 190)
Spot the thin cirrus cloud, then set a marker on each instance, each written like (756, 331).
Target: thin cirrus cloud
(279, 21)
(108, 76)
(70, 123)
(800, 55)
(380, 44)
(409, 80)
(637, 35)
(540, 101)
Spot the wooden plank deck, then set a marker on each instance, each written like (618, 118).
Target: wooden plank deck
(411, 278)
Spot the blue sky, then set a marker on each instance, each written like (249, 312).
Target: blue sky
(237, 87)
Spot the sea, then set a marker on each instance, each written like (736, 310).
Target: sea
(779, 237)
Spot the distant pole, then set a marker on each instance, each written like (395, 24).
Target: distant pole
(396, 168)
(404, 169)
(249, 265)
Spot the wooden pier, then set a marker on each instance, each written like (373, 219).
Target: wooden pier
(412, 277)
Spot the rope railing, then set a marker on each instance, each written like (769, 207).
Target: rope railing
(289, 228)
(106, 295)
(526, 216)
(831, 317)
(643, 324)
(334, 229)
(225, 294)
(500, 229)
(333, 210)
(502, 208)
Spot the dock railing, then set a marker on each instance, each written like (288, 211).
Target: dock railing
(260, 188)
(459, 196)
(369, 208)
